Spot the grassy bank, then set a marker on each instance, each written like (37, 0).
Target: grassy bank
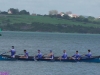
(46, 23)
(42, 19)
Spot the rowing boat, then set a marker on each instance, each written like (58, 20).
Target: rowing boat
(95, 59)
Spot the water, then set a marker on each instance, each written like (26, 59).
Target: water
(32, 41)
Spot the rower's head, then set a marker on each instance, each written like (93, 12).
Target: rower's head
(50, 51)
(89, 50)
(38, 51)
(12, 47)
(76, 52)
(64, 51)
(25, 51)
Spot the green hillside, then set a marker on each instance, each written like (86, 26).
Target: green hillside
(42, 19)
(48, 24)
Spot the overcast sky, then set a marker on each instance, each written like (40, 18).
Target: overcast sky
(79, 7)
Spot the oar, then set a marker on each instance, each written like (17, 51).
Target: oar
(4, 53)
(83, 54)
(22, 54)
(45, 54)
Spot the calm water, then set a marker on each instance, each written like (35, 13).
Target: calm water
(32, 41)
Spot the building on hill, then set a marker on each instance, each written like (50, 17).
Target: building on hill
(73, 15)
(9, 12)
(33, 14)
(62, 14)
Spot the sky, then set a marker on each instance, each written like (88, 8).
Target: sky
(79, 7)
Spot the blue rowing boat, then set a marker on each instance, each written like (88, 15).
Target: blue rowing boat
(95, 59)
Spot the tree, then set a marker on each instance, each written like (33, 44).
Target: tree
(4, 12)
(91, 18)
(24, 12)
(66, 17)
(14, 11)
(53, 12)
(80, 18)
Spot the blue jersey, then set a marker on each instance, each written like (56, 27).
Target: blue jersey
(26, 55)
(64, 56)
(76, 56)
(39, 55)
(88, 55)
(13, 52)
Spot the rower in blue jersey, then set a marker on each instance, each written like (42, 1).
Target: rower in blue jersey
(76, 56)
(89, 54)
(64, 56)
(13, 52)
(25, 54)
(39, 55)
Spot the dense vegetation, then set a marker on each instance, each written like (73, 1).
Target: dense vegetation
(46, 23)
(23, 21)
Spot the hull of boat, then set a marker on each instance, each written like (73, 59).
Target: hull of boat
(96, 60)
(25, 59)
(7, 57)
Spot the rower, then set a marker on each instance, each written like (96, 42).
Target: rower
(76, 56)
(13, 52)
(89, 54)
(64, 56)
(50, 55)
(25, 54)
(39, 55)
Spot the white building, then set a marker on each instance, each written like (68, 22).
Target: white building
(73, 15)
(9, 12)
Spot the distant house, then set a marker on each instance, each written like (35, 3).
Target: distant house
(34, 14)
(62, 14)
(9, 12)
(99, 17)
(73, 15)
